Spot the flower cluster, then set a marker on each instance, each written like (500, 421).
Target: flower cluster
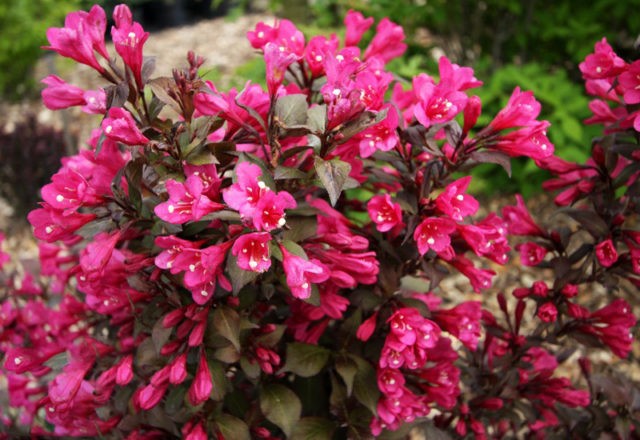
(266, 263)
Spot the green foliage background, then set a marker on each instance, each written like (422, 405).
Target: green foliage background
(23, 26)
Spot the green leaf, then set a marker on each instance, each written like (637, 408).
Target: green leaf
(365, 385)
(239, 277)
(291, 110)
(300, 228)
(284, 173)
(226, 322)
(272, 338)
(333, 174)
(251, 369)
(305, 360)
(232, 427)
(317, 118)
(280, 406)
(221, 385)
(347, 369)
(160, 335)
(58, 361)
(313, 428)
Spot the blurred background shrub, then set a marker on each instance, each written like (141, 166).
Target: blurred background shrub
(23, 26)
(30, 154)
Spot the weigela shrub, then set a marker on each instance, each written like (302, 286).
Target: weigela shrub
(265, 263)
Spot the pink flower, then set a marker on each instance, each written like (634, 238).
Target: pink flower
(121, 127)
(52, 225)
(381, 136)
(254, 200)
(606, 253)
(384, 212)
(530, 141)
(454, 202)
(547, 312)
(436, 104)
(95, 102)
(316, 51)
(269, 212)
(83, 32)
(202, 384)
(521, 111)
(462, 321)
(603, 63)
(252, 251)
(186, 202)
(480, 279)
(531, 254)
(245, 193)
(124, 371)
(356, 26)
(262, 35)
(276, 61)
(301, 273)
(365, 330)
(178, 369)
(58, 94)
(630, 82)
(97, 254)
(435, 233)
(128, 39)
(519, 220)
(388, 42)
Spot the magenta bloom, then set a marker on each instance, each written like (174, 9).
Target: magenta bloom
(255, 201)
(521, 110)
(245, 193)
(384, 212)
(277, 61)
(82, 34)
(519, 220)
(356, 26)
(202, 384)
(302, 273)
(603, 63)
(129, 38)
(531, 254)
(435, 233)
(388, 42)
(186, 202)
(547, 312)
(630, 83)
(121, 127)
(437, 103)
(269, 213)
(462, 321)
(606, 253)
(382, 136)
(58, 94)
(252, 251)
(454, 202)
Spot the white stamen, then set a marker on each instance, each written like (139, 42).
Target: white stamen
(460, 197)
(431, 241)
(171, 208)
(48, 229)
(305, 285)
(108, 129)
(192, 267)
